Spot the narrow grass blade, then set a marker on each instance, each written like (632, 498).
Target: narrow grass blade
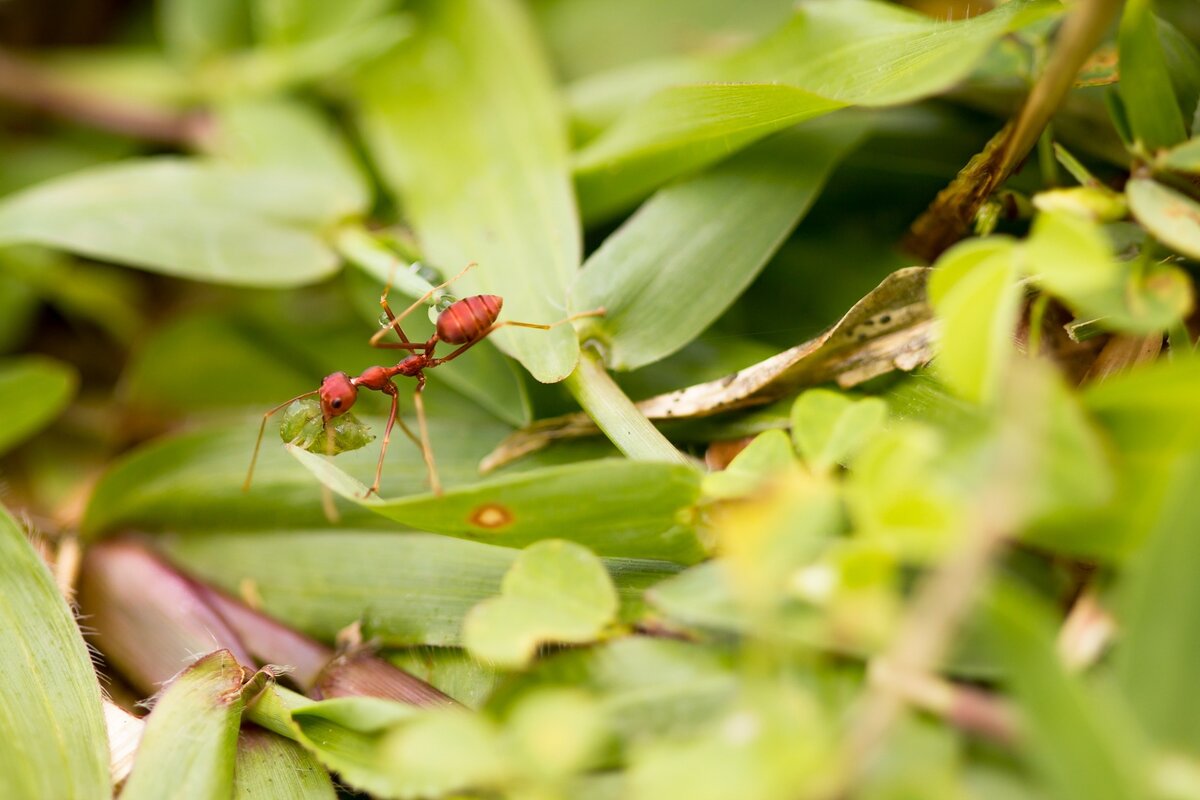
(616, 508)
(689, 252)
(269, 765)
(1074, 739)
(464, 125)
(53, 742)
(1158, 640)
(189, 747)
(33, 391)
(680, 130)
(1145, 89)
(238, 228)
(831, 54)
(405, 588)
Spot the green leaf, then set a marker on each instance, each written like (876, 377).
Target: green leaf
(1184, 157)
(654, 275)
(270, 766)
(190, 744)
(1170, 216)
(763, 460)
(280, 21)
(1145, 88)
(18, 307)
(54, 743)
(33, 391)
(645, 686)
(556, 732)
(1160, 639)
(680, 130)
(450, 670)
(1153, 409)
(182, 483)
(587, 36)
(178, 217)
(194, 30)
(830, 428)
(304, 426)
(830, 55)
(344, 734)
(282, 139)
(443, 752)
(1072, 259)
(555, 591)
(406, 588)
(475, 149)
(1075, 739)
(185, 481)
(975, 294)
(615, 507)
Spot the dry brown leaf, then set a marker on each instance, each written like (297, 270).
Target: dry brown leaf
(890, 329)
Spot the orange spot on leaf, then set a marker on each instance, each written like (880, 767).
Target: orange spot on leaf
(491, 516)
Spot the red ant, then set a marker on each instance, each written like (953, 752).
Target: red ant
(465, 322)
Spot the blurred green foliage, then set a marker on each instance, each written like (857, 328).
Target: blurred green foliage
(953, 557)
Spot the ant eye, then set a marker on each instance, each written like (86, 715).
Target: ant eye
(337, 403)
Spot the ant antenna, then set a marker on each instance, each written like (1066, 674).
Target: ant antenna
(262, 429)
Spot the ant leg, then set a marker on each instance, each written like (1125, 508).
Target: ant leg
(396, 319)
(536, 325)
(387, 437)
(262, 428)
(423, 426)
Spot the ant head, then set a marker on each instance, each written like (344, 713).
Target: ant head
(337, 394)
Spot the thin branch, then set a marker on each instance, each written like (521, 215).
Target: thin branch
(24, 83)
(950, 214)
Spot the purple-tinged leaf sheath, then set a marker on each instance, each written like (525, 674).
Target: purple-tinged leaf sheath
(362, 673)
(149, 620)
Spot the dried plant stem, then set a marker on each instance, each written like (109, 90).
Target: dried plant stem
(24, 83)
(948, 218)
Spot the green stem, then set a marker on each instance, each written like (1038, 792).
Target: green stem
(616, 415)
(272, 710)
(358, 246)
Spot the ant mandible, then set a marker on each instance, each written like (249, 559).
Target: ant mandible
(465, 322)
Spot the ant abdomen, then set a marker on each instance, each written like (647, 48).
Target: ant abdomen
(468, 319)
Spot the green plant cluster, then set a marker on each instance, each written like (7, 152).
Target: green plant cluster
(790, 518)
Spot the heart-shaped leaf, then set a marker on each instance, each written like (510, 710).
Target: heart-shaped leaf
(555, 591)
(830, 428)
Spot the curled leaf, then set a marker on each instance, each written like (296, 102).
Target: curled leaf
(304, 426)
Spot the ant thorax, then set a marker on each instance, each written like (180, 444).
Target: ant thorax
(412, 365)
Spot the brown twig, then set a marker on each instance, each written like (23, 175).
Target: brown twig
(950, 214)
(965, 707)
(23, 83)
(945, 597)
